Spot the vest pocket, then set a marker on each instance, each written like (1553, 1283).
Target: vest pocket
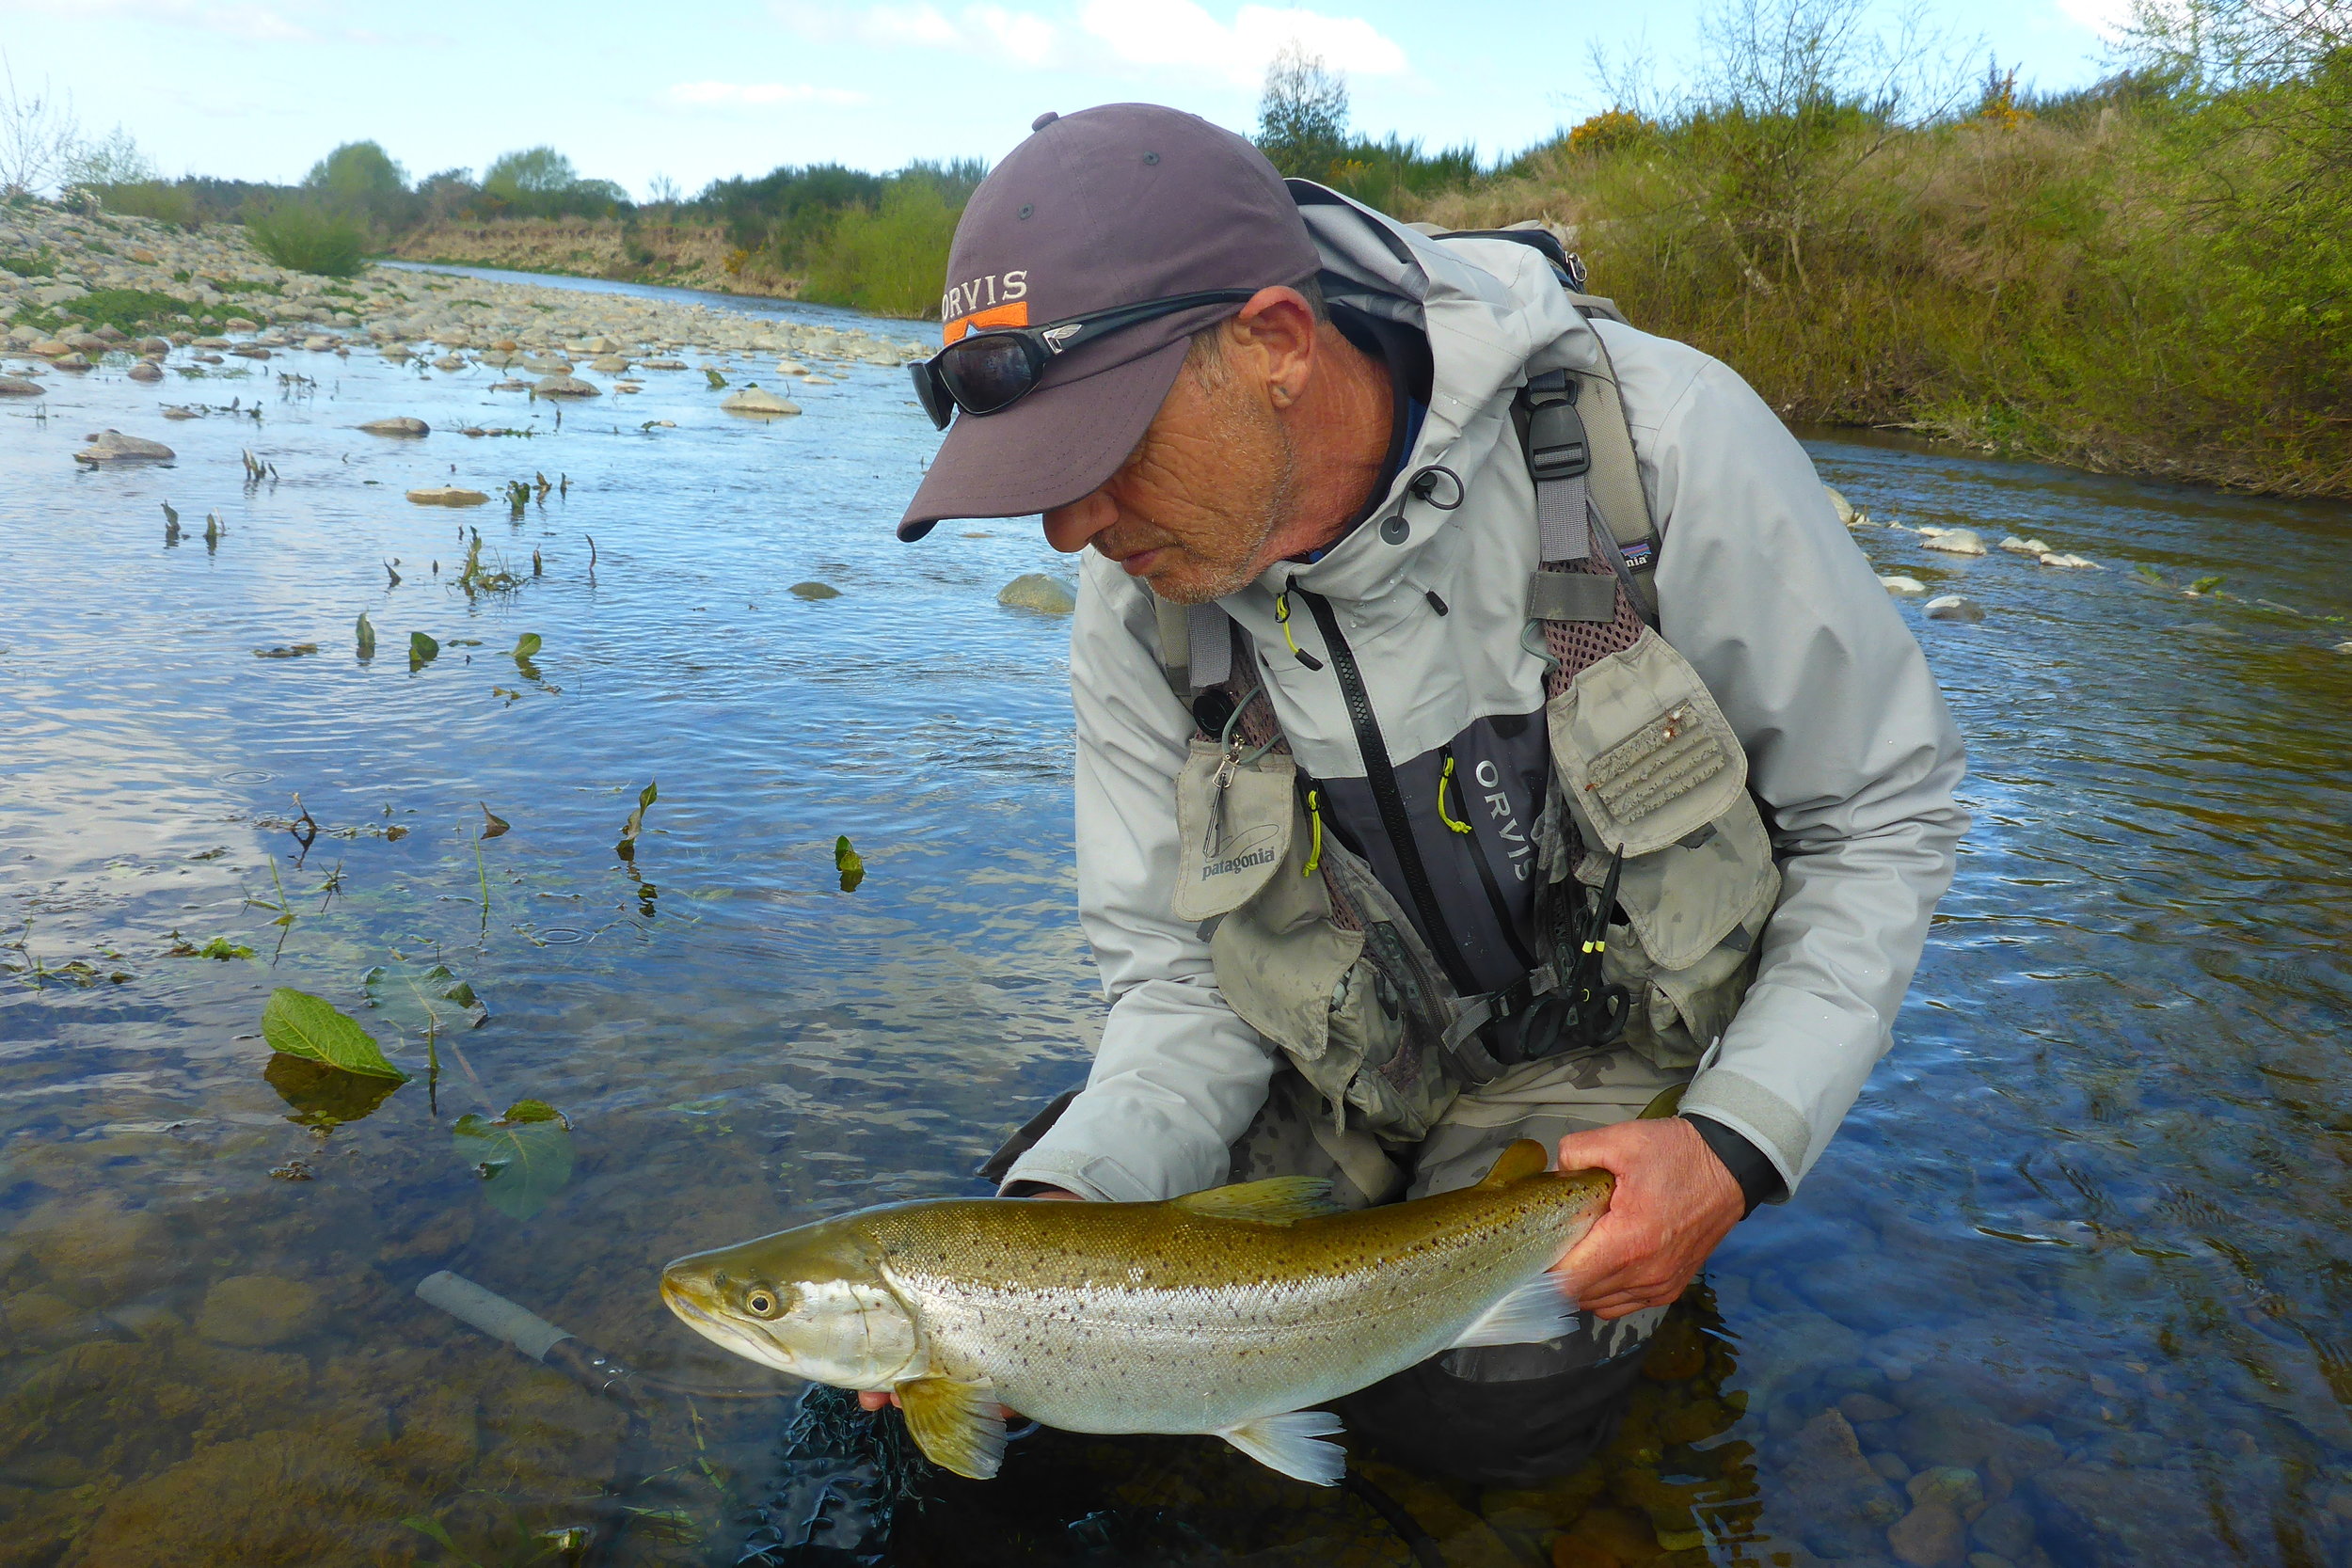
(1233, 827)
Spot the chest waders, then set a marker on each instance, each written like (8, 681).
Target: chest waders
(1653, 872)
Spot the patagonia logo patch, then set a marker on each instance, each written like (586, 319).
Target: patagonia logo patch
(1246, 851)
(1638, 555)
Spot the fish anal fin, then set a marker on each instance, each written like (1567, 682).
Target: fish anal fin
(958, 1425)
(1535, 1310)
(1522, 1158)
(1277, 1200)
(1294, 1444)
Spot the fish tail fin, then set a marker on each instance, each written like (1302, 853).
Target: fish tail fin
(1293, 1444)
(1522, 1158)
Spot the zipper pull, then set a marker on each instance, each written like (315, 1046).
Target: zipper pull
(1445, 778)
(1283, 616)
(1314, 848)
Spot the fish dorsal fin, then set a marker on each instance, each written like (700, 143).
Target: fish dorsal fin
(1535, 1310)
(957, 1425)
(1521, 1160)
(1293, 1444)
(1277, 1200)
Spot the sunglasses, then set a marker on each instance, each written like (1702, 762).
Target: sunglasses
(989, 370)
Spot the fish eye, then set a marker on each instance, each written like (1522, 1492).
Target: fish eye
(761, 1302)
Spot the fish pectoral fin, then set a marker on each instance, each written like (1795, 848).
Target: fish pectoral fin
(1294, 1444)
(958, 1425)
(1524, 1158)
(1534, 1311)
(1277, 1200)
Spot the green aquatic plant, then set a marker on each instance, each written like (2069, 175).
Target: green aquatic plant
(296, 1023)
(635, 826)
(524, 1157)
(363, 637)
(422, 650)
(849, 862)
(717, 381)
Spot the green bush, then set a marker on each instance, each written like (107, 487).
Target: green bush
(889, 259)
(306, 237)
(127, 310)
(150, 198)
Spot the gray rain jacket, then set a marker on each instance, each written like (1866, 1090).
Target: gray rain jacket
(1852, 757)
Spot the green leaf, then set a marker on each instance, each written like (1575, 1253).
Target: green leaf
(422, 650)
(296, 1024)
(2204, 585)
(2148, 572)
(527, 647)
(419, 999)
(223, 949)
(626, 848)
(493, 824)
(849, 862)
(717, 380)
(365, 634)
(325, 1097)
(524, 1160)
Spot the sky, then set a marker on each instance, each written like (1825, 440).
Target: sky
(259, 89)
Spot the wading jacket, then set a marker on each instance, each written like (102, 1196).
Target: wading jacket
(1776, 888)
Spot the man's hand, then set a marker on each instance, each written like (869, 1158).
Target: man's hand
(874, 1398)
(1674, 1203)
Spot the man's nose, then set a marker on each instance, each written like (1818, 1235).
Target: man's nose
(1069, 529)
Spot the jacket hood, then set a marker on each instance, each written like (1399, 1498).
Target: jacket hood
(1493, 313)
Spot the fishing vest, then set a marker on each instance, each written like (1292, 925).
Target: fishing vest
(1654, 874)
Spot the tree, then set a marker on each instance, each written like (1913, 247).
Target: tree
(534, 171)
(357, 170)
(1302, 114)
(115, 160)
(38, 135)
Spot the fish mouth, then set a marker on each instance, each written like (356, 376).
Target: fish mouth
(725, 1329)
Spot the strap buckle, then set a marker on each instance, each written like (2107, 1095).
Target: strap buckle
(1556, 444)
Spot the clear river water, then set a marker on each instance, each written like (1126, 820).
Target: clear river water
(2073, 1288)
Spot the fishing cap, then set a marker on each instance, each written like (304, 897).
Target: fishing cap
(1111, 206)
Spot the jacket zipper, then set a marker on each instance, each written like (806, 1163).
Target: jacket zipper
(1382, 776)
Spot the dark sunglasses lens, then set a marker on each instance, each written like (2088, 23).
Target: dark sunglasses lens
(987, 371)
(929, 392)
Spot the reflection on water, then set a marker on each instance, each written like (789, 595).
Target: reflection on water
(2071, 1289)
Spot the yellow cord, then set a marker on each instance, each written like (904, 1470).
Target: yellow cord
(1443, 779)
(1314, 848)
(1282, 614)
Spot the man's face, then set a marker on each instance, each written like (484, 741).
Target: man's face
(1193, 508)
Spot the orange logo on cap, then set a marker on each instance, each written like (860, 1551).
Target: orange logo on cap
(1014, 314)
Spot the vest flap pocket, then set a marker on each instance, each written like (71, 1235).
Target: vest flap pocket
(1279, 960)
(1646, 756)
(1232, 828)
(1685, 900)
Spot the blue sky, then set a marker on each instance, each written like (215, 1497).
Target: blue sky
(259, 88)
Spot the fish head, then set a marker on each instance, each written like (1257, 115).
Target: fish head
(811, 1302)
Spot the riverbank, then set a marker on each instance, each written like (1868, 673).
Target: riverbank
(75, 289)
(676, 254)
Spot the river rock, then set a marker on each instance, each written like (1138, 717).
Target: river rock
(449, 362)
(254, 1310)
(319, 345)
(546, 364)
(2005, 1529)
(2077, 562)
(2147, 1518)
(241, 323)
(1954, 607)
(446, 495)
(251, 351)
(1929, 1536)
(112, 446)
(608, 364)
(75, 361)
(813, 379)
(664, 364)
(757, 399)
(17, 387)
(1954, 541)
(2343, 647)
(1845, 1505)
(399, 424)
(2025, 547)
(564, 387)
(1950, 1485)
(1840, 505)
(790, 367)
(1038, 592)
(147, 370)
(814, 590)
(1902, 585)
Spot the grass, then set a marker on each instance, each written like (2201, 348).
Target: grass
(303, 237)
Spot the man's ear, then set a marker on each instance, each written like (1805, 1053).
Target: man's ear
(1272, 340)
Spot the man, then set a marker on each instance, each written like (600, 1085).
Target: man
(1485, 730)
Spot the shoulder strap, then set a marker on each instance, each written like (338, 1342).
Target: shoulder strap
(1580, 453)
(1196, 648)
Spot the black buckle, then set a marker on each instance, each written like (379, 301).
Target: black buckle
(1556, 444)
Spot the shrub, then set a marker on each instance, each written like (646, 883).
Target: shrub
(150, 198)
(305, 237)
(889, 259)
(125, 309)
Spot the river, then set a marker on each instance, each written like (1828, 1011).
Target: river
(2071, 1288)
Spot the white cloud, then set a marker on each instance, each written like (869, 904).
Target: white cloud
(753, 94)
(2106, 18)
(1154, 35)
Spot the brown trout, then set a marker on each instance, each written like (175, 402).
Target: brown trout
(1232, 1311)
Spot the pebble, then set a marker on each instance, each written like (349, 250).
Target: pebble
(147, 370)
(1955, 541)
(2343, 647)
(1902, 585)
(608, 364)
(756, 400)
(446, 495)
(1929, 1536)
(17, 387)
(1867, 1407)
(564, 387)
(112, 446)
(449, 362)
(72, 362)
(1954, 607)
(257, 1309)
(814, 590)
(2055, 559)
(399, 424)
(1038, 592)
(2027, 547)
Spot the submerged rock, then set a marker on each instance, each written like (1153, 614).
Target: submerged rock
(814, 590)
(564, 387)
(1902, 585)
(112, 446)
(2077, 562)
(1955, 541)
(399, 424)
(147, 370)
(755, 399)
(1038, 592)
(17, 387)
(1954, 607)
(2025, 547)
(446, 495)
(256, 1310)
